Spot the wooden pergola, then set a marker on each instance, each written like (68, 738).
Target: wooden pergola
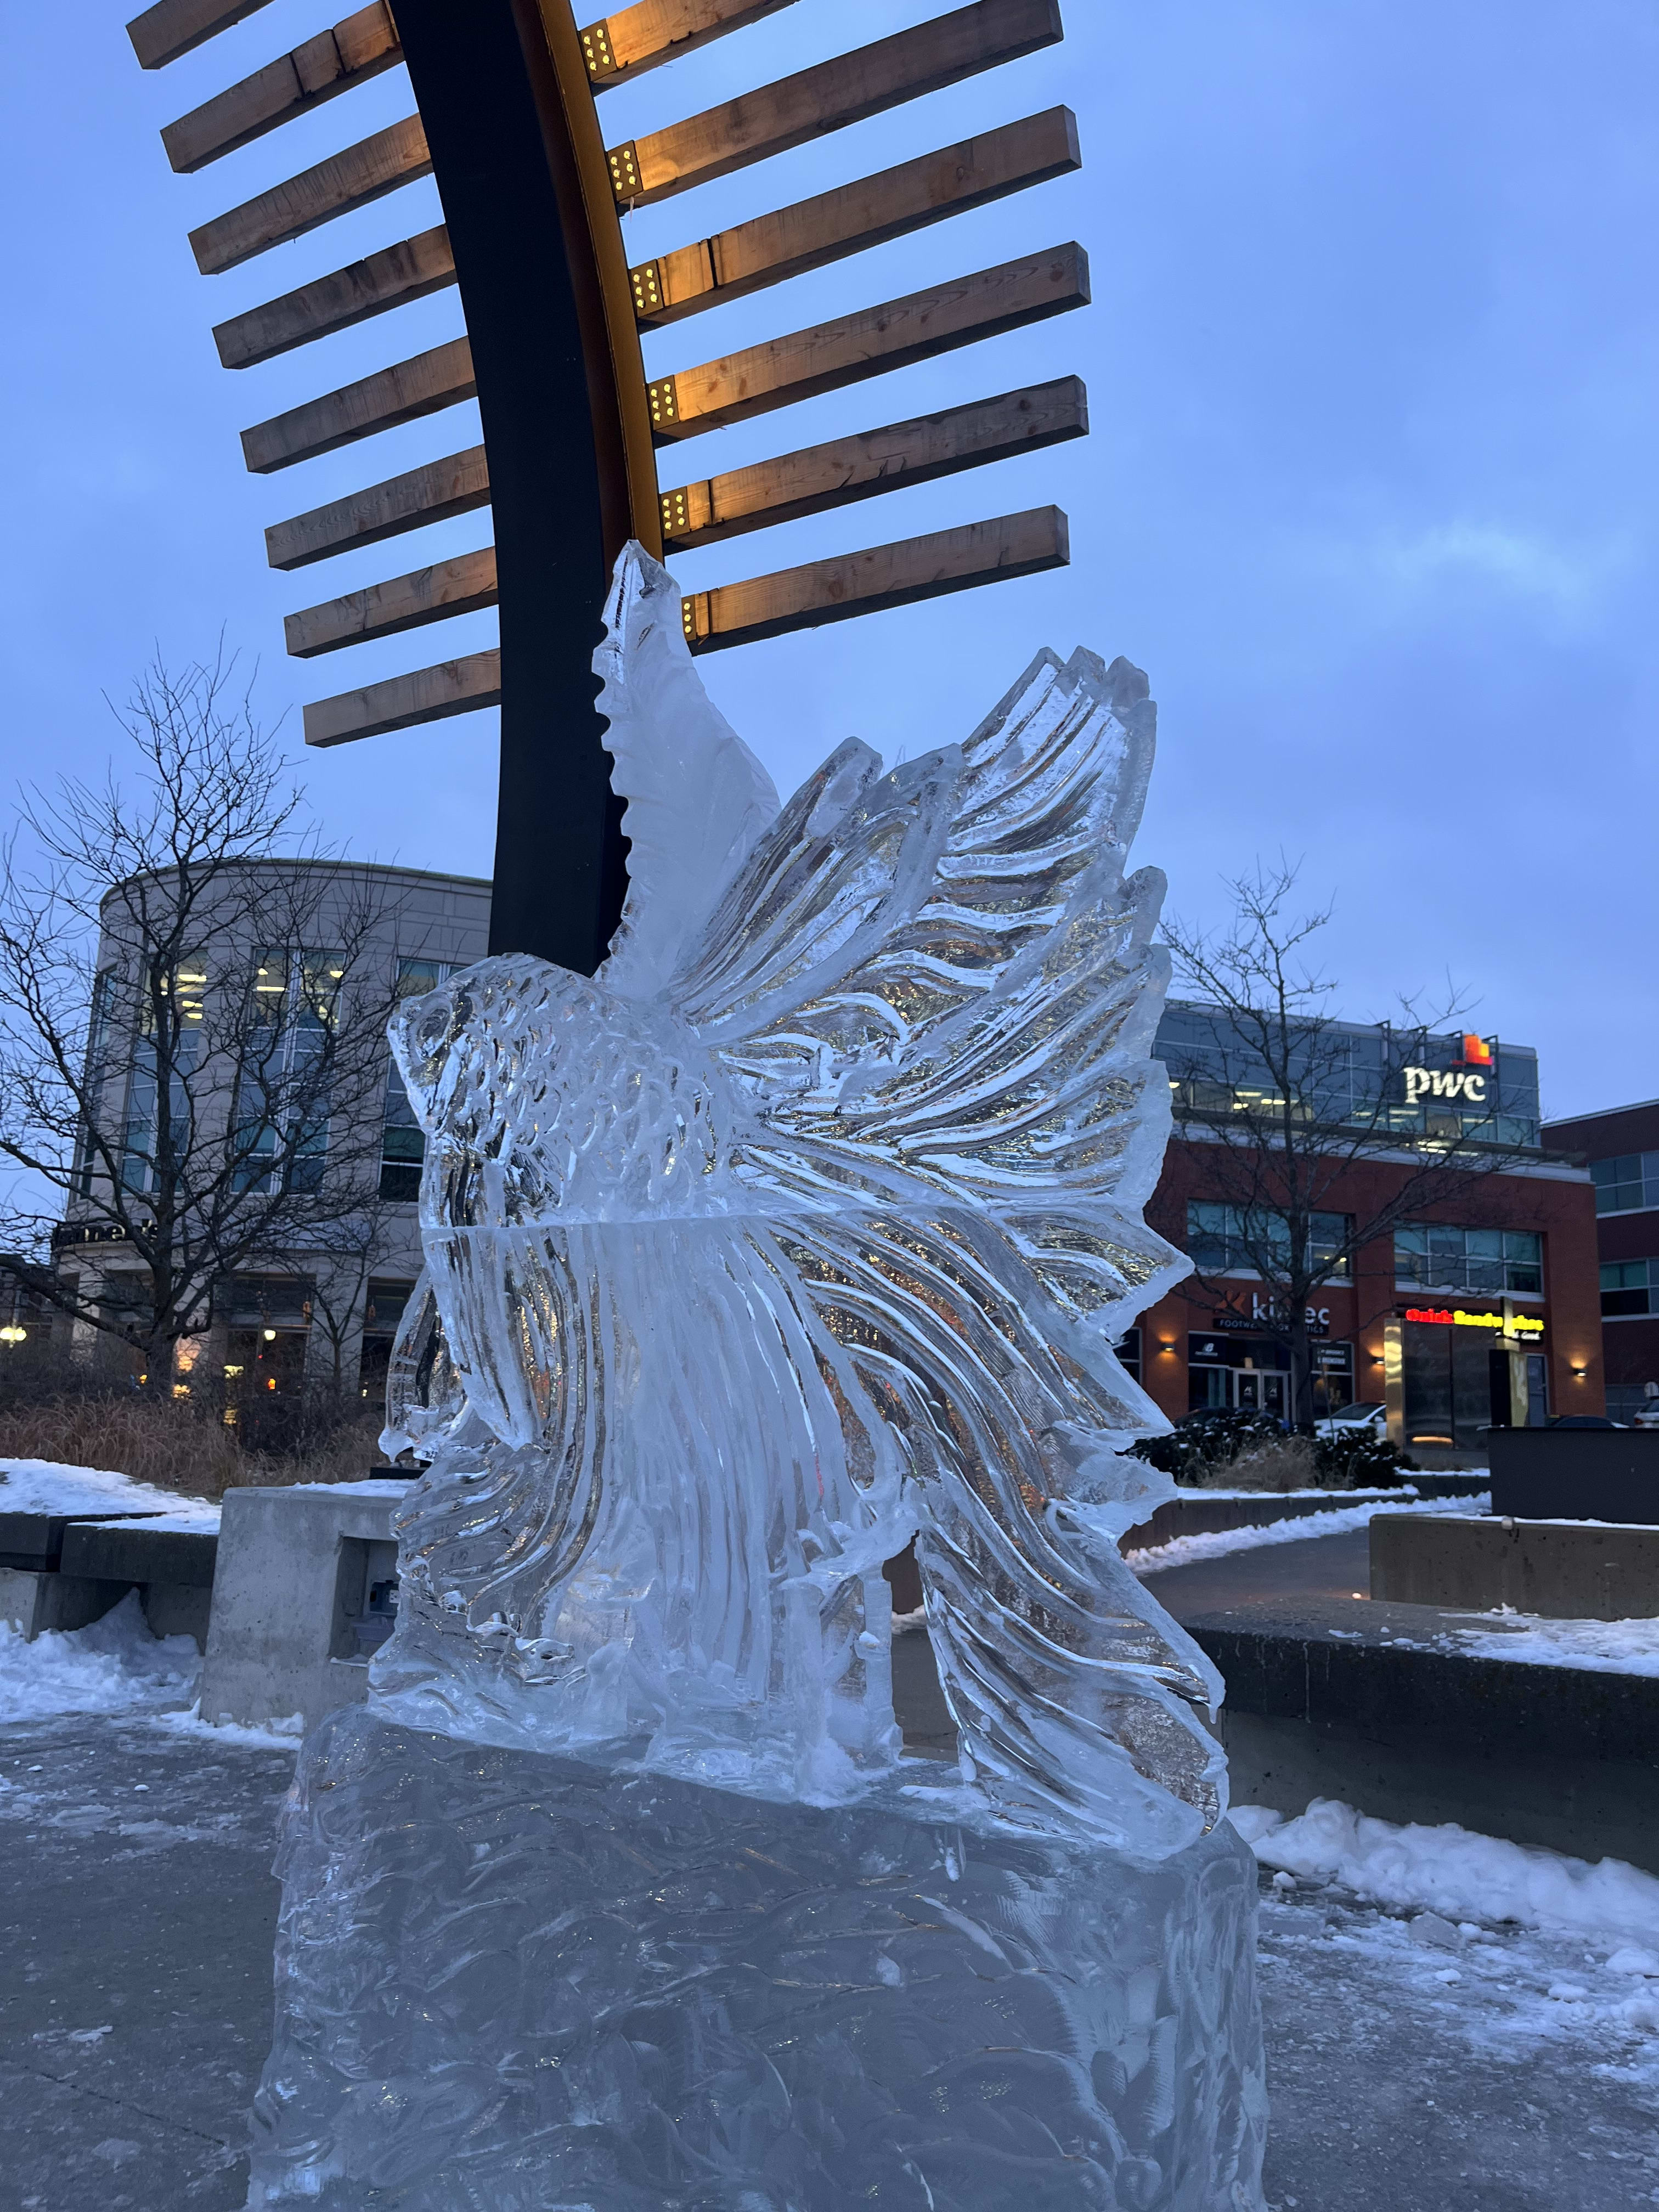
(508, 95)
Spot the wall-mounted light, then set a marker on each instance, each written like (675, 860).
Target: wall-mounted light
(1166, 1344)
(1579, 1374)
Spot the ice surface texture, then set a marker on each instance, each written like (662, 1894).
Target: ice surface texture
(804, 1227)
(516, 1982)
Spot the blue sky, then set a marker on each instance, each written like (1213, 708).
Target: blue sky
(1371, 493)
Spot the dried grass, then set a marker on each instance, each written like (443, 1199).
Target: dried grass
(1280, 1464)
(177, 1450)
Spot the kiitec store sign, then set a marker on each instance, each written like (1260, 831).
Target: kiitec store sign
(1467, 1079)
(1456, 1318)
(1264, 1313)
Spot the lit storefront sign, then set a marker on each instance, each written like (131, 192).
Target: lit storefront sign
(1456, 1317)
(1264, 1313)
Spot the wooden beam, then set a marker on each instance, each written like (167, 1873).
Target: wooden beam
(455, 485)
(373, 286)
(459, 587)
(172, 28)
(829, 96)
(873, 462)
(353, 52)
(345, 181)
(853, 347)
(441, 378)
(854, 216)
(656, 31)
(885, 576)
(429, 695)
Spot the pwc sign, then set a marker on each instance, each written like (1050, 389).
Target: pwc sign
(1468, 1078)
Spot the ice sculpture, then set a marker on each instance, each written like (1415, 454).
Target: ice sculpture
(803, 1229)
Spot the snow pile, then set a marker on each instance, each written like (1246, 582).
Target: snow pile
(43, 1486)
(1453, 1872)
(114, 1666)
(282, 1733)
(1611, 1647)
(1185, 1550)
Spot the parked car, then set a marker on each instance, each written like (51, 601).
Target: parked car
(1581, 1421)
(1374, 1418)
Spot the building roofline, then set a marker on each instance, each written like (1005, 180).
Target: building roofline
(1597, 1114)
(390, 870)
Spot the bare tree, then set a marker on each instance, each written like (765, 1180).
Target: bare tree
(193, 1000)
(1292, 1101)
(357, 1248)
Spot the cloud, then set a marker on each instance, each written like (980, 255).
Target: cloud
(1516, 562)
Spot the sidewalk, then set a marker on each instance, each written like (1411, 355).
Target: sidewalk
(1412, 2069)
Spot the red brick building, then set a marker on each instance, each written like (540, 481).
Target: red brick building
(1622, 1146)
(1482, 1309)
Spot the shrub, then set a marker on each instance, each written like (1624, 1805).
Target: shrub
(1279, 1462)
(1202, 1442)
(1357, 1459)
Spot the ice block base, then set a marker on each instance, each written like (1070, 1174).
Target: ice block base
(512, 1983)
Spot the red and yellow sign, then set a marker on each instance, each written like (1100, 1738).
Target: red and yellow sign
(1456, 1318)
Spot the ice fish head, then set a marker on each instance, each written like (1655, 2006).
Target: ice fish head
(546, 1099)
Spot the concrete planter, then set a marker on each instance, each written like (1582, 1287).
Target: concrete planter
(1567, 1571)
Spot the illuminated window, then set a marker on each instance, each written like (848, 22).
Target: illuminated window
(281, 1097)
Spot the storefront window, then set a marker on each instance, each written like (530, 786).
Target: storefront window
(1436, 1255)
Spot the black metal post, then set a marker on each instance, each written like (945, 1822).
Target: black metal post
(561, 867)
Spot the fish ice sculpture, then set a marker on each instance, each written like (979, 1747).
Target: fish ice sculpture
(803, 1228)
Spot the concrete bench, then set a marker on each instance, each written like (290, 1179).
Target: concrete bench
(64, 1572)
(295, 1612)
(1567, 1570)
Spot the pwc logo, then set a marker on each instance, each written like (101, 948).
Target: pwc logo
(1467, 1077)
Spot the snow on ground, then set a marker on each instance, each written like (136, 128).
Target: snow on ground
(43, 1486)
(114, 1666)
(1611, 1647)
(1458, 1876)
(1184, 1551)
(1509, 1995)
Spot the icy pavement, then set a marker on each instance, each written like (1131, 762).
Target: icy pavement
(1426, 2053)
(1417, 2066)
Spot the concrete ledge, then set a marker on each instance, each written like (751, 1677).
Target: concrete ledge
(294, 1569)
(140, 1552)
(1357, 1699)
(1204, 1513)
(1570, 1570)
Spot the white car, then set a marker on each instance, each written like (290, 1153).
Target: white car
(1372, 1420)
